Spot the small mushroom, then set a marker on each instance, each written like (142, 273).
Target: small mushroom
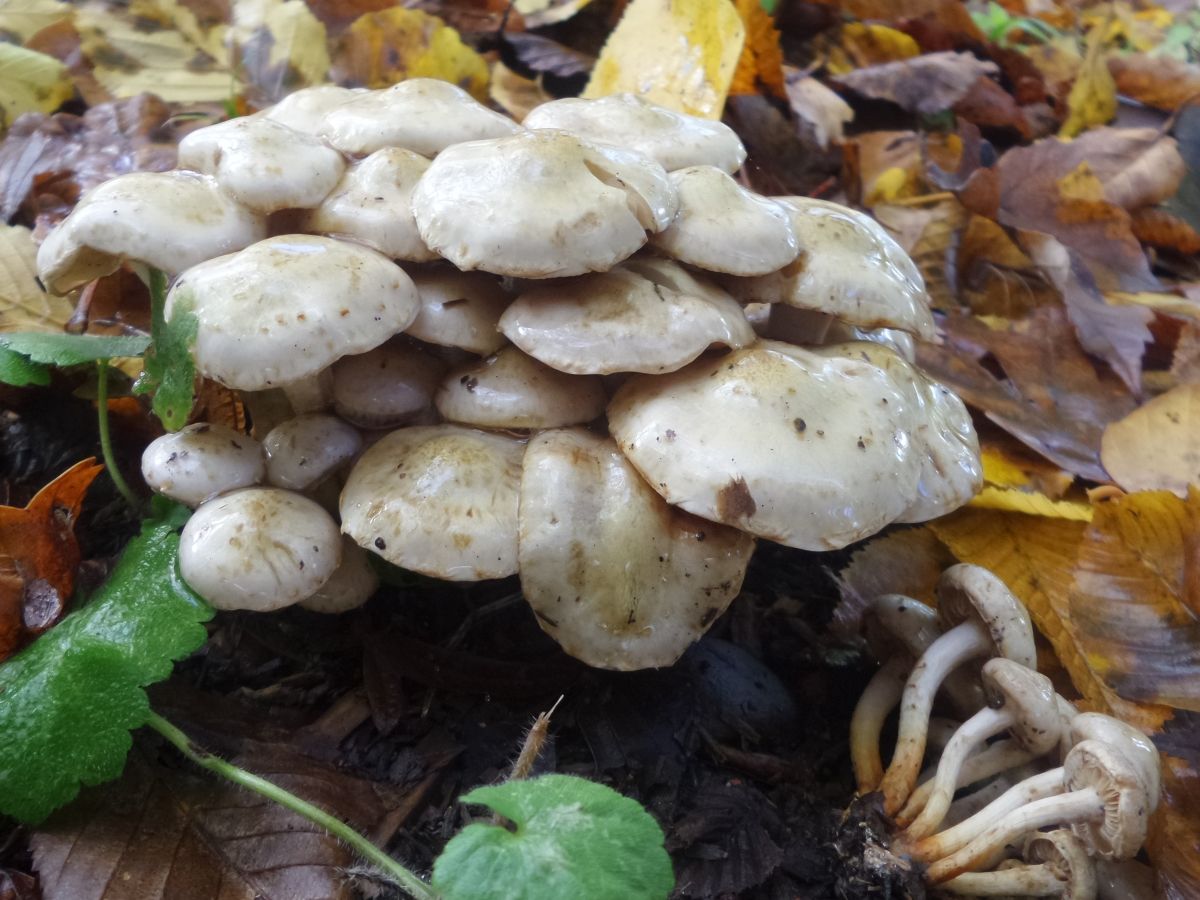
(619, 578)
(424, 115)
(351, 585)
(168, 220)
(440, 500)
(541, 204)
(459, 309)
(1057, 866)
(258, 549)
(676, 140)
(646, 315)
(389, 386)
(303, 451)
(983, 618)
(307, 108)
(201, 461)
(262, 163)
(510, 390)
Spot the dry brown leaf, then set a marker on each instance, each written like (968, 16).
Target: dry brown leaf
(995, 276)
(24, 306)
(1158, 81)
(1174, 844)
(1161, 229)
(1157, 446)
(1185, 363)
(927, 84)
(928, 233)
(988, 105)
(514, 94)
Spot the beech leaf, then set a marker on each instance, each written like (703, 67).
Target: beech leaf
(1157, 446)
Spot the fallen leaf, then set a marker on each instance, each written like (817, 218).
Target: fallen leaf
(988, 105)
(1157, 446)
(1093, 97)
(1174, 842)
(995, 276)
(516, 95)
(678, 54)
(540, 13)
(863, 44)
(1031, 503)
(928, 233)
(1009, 464)
(1185, 363)
(1157, 81)
(927, 84)
(24, 306)
(534, 54)
(382, 48)
(24, 18)
(780, 160)
(279, 46)
(761, 64)
(30, 82)
(824, 111)
(1160, 228)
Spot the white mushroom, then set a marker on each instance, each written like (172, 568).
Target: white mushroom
(351, 585)
(168, 220)
(540, 204)
(646, 315)
(674, 139)
(388, 386)
(424, 115)
(459, 309)
(200, 461)
(1058, 866)
(307, 108)
(619, 578)
(259, 549)
(440, 500)
(303, 451)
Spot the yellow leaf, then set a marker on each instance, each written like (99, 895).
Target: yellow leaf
(297, 54)
(1171, 304)
(29, 82)
(1031, 504)
(867, 44)
(381, 48)
(892, 184)
(1001, 471)
(678, 53)
(25, 18)
(23, 305)
(1093, 97)
(1157, 446)
(539, 13)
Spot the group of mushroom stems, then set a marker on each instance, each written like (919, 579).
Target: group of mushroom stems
(576, 349)
(1035, 762)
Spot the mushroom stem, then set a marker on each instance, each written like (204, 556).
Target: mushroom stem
(989, 761)
(878, 699)
(313, 393)
(1019, 881)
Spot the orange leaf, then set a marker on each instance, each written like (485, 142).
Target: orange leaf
(761, 62)
(1157, 81)
(1159, 228)
(39, 555)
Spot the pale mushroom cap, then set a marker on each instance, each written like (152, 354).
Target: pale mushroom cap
(373, 204)
(809, 451)
(424, 115)
(900, 621)
(512, 390)
(307, 108)
(168, 220)
(258, 549)
(1134, 744)
(200, 461)
(351, 585)
(1064, 854)
(440, 500)
(387, 386)
(287, 307)
(302, 451)
(674, 139)
(459, 309)
(262, 163)
(894, 339)
(541, 204)
(849, 267)
(967, 592)
(1122, 831)
(619, 578)
(722, 227)
(1029, 696)
(647, 315)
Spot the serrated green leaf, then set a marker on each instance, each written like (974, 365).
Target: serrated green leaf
(170, 371)
(18, 370)
(573, 838)
(73, 349)
(69, 700)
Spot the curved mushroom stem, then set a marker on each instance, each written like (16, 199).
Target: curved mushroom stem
(878, 699)
(991, 760)
(1018, 881)
(965, 807)
(947, 653)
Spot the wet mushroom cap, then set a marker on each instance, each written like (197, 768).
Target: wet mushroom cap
(1064, 854)
(1029, 697)
(388, 386)
(809, 451)
(459, 309)
(619, 578)
(307, 108)
(258, 549)
(646, 315)
(674, 139)
(168, 220)
(285, 308)
(302, 451)
(440, 500)
(424, 115)
(1138, 748)
(262, 163)
(540, 204)
(200, 461)
(967, 592)
(1121, 831)
(351, 585)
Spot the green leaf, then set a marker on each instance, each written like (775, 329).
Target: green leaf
(72, 349)
(18, 370)
(69, 700)
(170, 371)
(572, 838)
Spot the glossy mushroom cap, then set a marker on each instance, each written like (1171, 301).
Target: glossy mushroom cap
(201, 461)
(1029, 697)
(1064, 855)
(303, 451)
(674, 139)
(351, 585)
(971, 593)
(900, 623)
(1138, 748)
(168, 220)
(541, 204)
(307, 108)
(1121, 831)
(389, 386)
(619, 578)
(459, 309)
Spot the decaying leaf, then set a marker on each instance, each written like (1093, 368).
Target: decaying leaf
(539, 13)
(760, 67)
(30, 82)
(24, 18)
(1158, 81)
(1174, 844)
(821, 108)
(927, 84)
(24, 306)
(1031, 503)
(279, 46)
(679, 54)
(863, 44)
(1093, 97)
(1157, 446)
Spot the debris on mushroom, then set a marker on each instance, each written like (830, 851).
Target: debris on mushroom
(388, 386)
(351, 585)
(459, 309)
(303, 451)
(201, 461)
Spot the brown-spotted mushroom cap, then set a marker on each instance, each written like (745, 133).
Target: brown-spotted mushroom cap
(424, 115)
(541, 204)
(388, 386)
(849, 267)
(373, 204)
(263, 164)
(459, 309)
(722, 227)
(674, 139)
(619, 578)
(351, 585)
(307, 108)
(284, 309)
(646, 315)
(302, 451)
(440, 500)
(258, 549)
(512, 390)
(200, 461)
(786, 444)
(168, 220)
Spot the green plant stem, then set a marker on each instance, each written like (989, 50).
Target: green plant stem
(106, 449)
(407, 880)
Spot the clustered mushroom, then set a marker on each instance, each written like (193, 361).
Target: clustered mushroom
(526, 349)
(1036, 761)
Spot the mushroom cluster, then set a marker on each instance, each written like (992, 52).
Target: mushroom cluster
(577, 349)
(1035, 762)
